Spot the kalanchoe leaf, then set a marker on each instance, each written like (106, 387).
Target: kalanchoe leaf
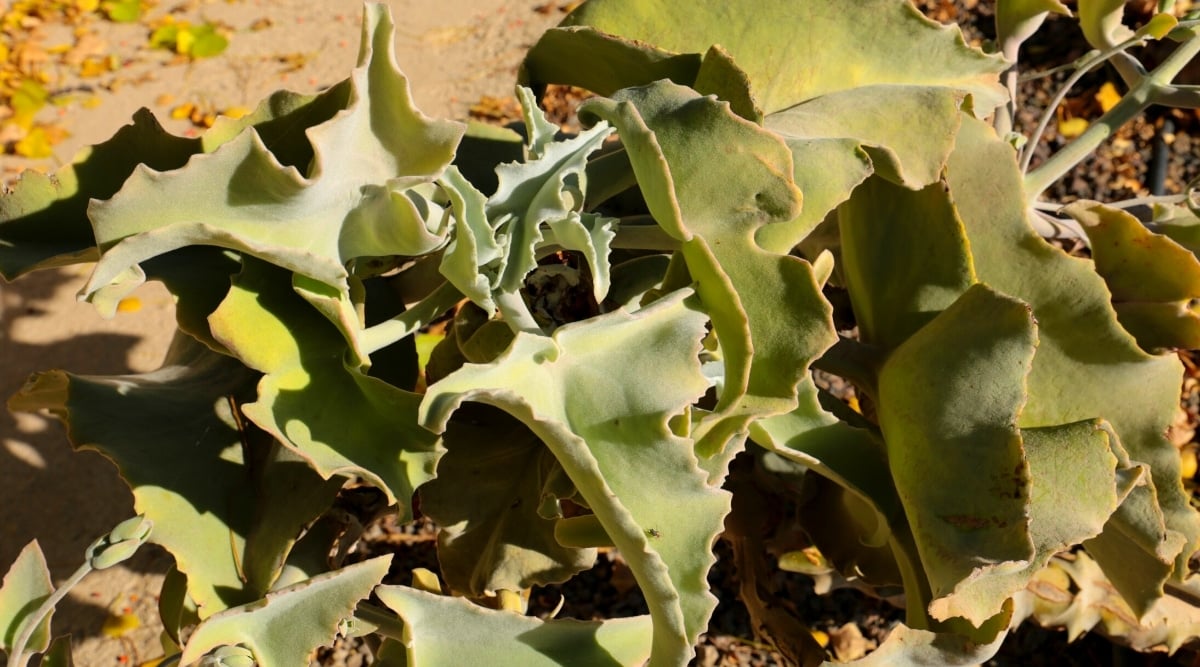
(1076, 484)
(493, 537)
(766, 308)
(310, 611)
(883, 226)
(907, 647)
(443, 631)
(59, 653)
(599, 394)
(546, 189)
(1017, 20)
(1086, 366)
(1100, 21)
(948, 404)
(496, 239)
(345, 205)
(1155, 282)
(25, 587)
(179, 451)
(473, 244)
(541, 132)
(619, 62)
(43, 220)
(341, 421)
(833, 110)
(796, 53)
(853, 458)
(880, 118)
(289, 495)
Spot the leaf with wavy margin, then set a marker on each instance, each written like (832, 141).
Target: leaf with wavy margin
(286, 626)
(1086, 366)
(767, 309)
(843, 117)
(351, 202)
(43, 219)
(494, 536)
(178, 449)
(794, 52)
(580, 392)
(1155, 282)
(441, 631)
(332, 415)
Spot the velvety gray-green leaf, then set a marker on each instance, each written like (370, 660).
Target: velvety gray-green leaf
(26, 586)
(350, 202)
(445, 632)
(949, 398)
(173, 435)
(340, 420)
(287, 625)
(766, 308)
(490, 484)
(1087, 366)
(599, 394)
(793, 52)
(43, 219)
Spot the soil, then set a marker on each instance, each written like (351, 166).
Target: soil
(461, 58)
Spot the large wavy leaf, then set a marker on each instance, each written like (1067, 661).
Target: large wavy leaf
(948, 403)
(793, 52)
(600, 394)
(766, 308)
(287, 625)
(883, 227)
(174, 437)
(43, 220)
(845, 104)
(1155, 282)
(1086, 366)
(350, 202)
(443, 631)
(332, 415)
(500, 533)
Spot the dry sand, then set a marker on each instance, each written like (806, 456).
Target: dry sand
(454, 52)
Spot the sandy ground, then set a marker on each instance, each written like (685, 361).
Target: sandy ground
(454, 52)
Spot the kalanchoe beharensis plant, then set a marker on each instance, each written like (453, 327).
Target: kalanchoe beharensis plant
(626, 311)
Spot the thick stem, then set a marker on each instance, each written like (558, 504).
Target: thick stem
(405, 324)
(516, 313)
(386, 623)
(1037, 181)
(1149, 90)
(1006, 119)
(17, 657)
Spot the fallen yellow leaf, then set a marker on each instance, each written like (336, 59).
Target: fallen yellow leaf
(1107, 97)
(1072, 127)
(35, 144)
(118, 626)
(235, 112)
(183, 111)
